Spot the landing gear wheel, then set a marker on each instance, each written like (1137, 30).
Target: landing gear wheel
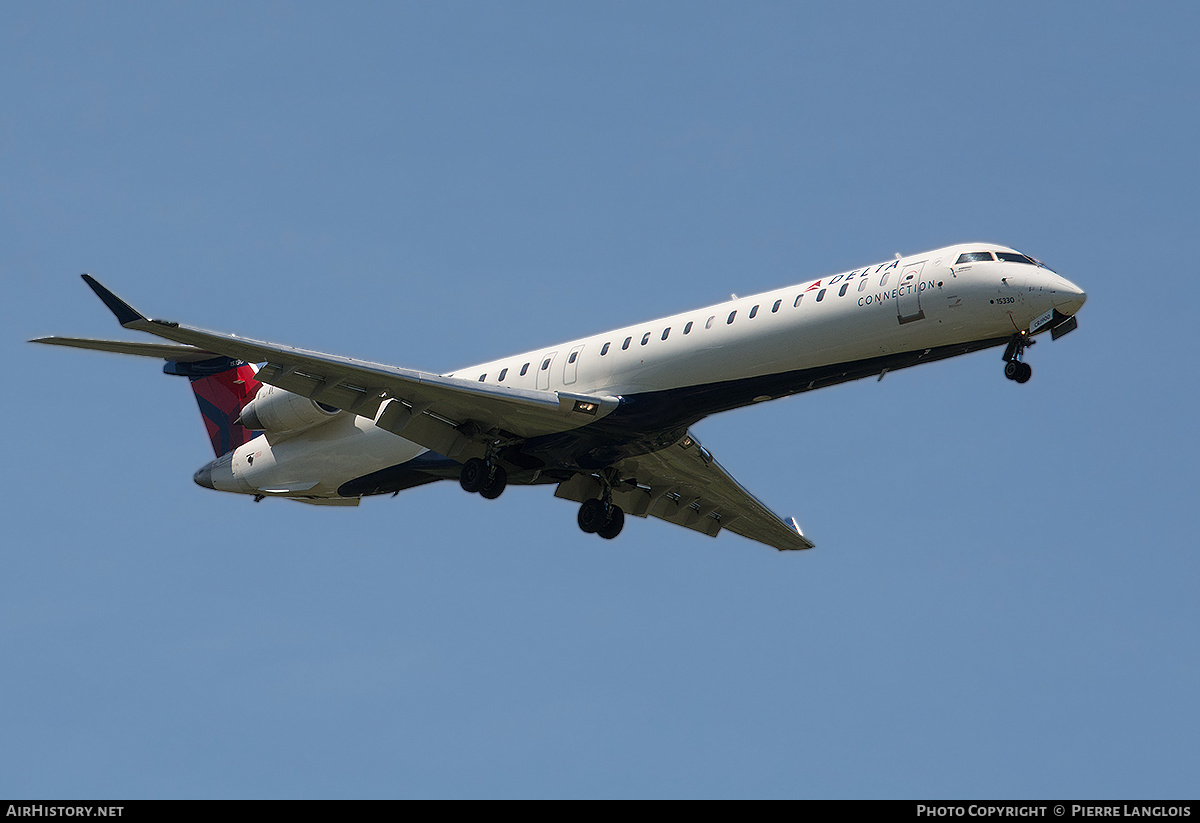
(591, 515)
(1014, 367)
(474, 475)
(494, 485)
(612, 527)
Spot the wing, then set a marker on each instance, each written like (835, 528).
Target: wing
(685, 485)
(451, 416)
(180, 354)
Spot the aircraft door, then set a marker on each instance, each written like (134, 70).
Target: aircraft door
(543, 375)
(571, 369)
(908, 294)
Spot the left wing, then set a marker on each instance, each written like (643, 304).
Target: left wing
(683, 484)
(180, 354)
(449, 415)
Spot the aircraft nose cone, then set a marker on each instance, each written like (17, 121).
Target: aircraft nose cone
(1070, 297)
(203, 477)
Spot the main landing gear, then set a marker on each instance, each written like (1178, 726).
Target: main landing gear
(484, 477)
(599, 517)
(1014, 367)
(602, 516)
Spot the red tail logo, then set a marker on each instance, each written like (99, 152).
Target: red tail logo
(221, 398)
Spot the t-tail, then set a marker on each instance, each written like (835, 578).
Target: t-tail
(223, 386)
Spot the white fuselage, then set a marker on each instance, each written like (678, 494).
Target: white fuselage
(923, 302)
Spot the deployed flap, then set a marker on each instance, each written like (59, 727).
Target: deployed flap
(684, 485)
(441, 408)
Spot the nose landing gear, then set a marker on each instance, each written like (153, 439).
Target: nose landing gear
(1014, 367)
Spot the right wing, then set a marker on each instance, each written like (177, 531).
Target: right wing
(449, 415)
(683, 484)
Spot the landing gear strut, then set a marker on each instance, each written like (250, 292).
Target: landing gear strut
(1014, 367)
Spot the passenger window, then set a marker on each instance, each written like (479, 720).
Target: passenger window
(753, 312)
(708, 325)
(820, 295)
(604, 350)
(645, 338)
(883, 280)
(799, 297)
(732, 315)
(546, 364)
(862, 284)
(503, 374)
(842, 290)
(688, 328)
(666, 331)
(524, 369)
(775, 308)
(572, 356)
(625, 345)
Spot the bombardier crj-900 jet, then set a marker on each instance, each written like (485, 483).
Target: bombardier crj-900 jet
(605, 418)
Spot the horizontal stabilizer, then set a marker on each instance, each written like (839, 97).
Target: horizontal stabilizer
(178, 354)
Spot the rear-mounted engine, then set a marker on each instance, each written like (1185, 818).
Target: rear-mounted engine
(278, 411)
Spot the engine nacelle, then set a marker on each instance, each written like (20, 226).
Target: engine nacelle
(278, 411)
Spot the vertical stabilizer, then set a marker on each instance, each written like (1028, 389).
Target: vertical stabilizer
(223, 386)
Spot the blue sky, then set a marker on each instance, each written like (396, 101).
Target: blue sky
(1002, 602)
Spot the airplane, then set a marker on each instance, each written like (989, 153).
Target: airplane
(605, 418)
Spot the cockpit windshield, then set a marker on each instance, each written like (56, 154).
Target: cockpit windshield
(1004, 256)
(1013, 257)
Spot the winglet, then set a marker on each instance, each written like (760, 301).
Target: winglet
(125, 313)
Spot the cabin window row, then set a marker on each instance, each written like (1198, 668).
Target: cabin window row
(687, 329)
(525, 369)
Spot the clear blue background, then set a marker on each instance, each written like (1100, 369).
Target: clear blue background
(1003, 597)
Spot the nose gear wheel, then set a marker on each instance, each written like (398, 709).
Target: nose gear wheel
(1014, 367)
